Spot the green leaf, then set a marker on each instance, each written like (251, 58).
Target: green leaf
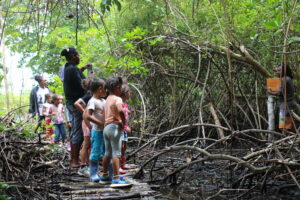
(294, 39)
(271, 25)
(2, 127)
(118, 5)
(26, 132)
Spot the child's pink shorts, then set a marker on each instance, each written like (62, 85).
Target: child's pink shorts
(85, 129)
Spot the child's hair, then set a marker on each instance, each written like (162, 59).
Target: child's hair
(55, 97)
(112, 83)
(69, 53)
(96, 83)
(86, 83)
(288, 71)
(124, 90)
(47, 96)
(38, 78)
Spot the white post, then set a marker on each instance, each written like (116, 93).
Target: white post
(271, 116)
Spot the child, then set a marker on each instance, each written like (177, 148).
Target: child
(47, 115)
(57, 111)
(80, 104)
(125, 95)
(114, 120)
(95, 114)
(69, 127)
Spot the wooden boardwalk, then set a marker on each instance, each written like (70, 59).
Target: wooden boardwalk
(76, 187)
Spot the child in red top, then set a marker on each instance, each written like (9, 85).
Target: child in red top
(46, 113)
(125, 95)
(57, 111)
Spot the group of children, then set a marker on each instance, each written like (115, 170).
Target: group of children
(53, 110)
(105, 128)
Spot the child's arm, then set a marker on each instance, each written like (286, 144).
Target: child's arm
(121, 113)
(128, 129)
(91, 118)
(86, 121)
(51, 112)
(44, 113)
(63, 114)
(79, 105)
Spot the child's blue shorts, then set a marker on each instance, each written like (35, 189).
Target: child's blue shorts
(98, 147)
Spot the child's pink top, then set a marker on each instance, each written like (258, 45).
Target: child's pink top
(59, 110)
(110, 109)
(126, 113)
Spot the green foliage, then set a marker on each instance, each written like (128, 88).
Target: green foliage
(2, 127)
(294, 39)
(27, 134)
(107, 4)
(56, 85)
(16, 100)
(246, 21)
(129, 42)
(3, 188)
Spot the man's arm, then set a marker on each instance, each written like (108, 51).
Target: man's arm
(32, 103)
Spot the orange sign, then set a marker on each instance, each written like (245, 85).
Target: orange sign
(273, 84)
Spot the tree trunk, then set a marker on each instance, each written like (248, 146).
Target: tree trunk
(5, 70)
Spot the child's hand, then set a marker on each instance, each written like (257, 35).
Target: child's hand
(101, 124)
(128, 130)
(121, 125)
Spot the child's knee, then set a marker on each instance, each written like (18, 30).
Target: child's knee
(108, 153)
(116, 153)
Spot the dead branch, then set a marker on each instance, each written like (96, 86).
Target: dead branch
(216, 119)
(159, 136)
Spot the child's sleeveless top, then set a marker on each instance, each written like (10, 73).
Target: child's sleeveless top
(126, 113)
(111, 112)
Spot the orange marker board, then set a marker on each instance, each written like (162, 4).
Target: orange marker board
(273, 84)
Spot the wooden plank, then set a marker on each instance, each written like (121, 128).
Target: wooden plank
(112, 197)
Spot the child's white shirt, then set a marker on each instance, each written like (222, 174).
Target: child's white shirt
(47, 106)
(97, 105)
